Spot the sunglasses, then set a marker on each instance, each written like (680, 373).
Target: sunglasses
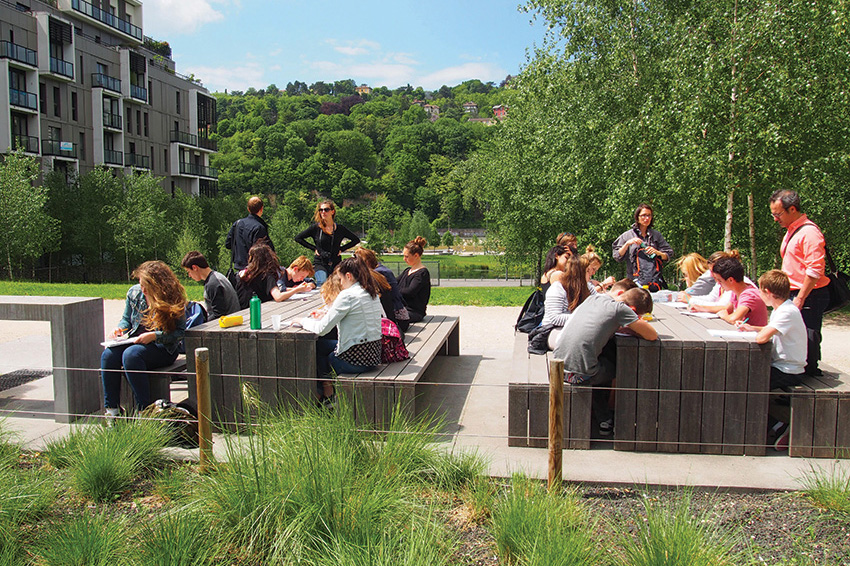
(325, 209)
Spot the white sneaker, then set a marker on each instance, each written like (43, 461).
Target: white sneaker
(112, 415)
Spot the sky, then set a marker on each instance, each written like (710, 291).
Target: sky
(238, 44)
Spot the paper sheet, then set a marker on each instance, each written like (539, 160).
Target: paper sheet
(732, 334)
(701, 314)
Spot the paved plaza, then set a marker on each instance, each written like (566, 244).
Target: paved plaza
(470, 392)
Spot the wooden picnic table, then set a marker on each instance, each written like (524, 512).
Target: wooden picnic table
(239, 355)
(690, 391)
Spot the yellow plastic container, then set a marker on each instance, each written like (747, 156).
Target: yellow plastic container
(230, 320)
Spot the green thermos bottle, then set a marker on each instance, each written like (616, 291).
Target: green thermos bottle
(256, 313)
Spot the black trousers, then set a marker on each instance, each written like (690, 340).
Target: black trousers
(812, 312)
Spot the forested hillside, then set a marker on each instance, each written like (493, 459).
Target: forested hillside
(380, 155)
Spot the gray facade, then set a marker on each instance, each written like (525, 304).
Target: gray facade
(82, 87)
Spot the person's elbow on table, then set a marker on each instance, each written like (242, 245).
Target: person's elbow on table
(644, 330)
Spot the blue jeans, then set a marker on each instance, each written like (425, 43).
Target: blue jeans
(329, 364)
(136, 359)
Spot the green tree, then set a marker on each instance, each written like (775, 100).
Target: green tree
(27, 230)
(140, 220)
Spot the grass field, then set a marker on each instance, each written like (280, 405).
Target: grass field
(467, 296)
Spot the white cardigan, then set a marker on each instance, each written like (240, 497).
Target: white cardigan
(354, 313)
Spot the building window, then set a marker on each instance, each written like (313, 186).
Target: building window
(74, 106)
(54, 134)
(138, 122)
(176, 126)
(42, 98)
(165, 159)
(82, 74)
(82, 145)
(150, 92)
(178, 101)
(57, 102)
(152, 152)
(146, 125)
(129, 116)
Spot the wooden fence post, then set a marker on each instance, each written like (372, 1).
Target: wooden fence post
(556, 423)
(202, 377)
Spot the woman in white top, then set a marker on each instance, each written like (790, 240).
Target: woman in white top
(356, 314)
(563, 297)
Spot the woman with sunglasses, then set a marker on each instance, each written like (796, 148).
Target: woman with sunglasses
(327, 238)
(644, 250)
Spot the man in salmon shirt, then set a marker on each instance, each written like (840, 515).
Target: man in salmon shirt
(803, 260)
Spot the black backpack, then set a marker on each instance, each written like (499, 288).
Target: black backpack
(531, 314)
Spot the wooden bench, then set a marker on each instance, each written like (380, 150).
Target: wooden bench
(820, 416)
(528, 403)
(376, 393)
(159, 382)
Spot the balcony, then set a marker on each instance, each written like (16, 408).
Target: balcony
(139, 93)
(19, 53)
(113, 157)
(137, 161)
(193, 140)
(111, 120)
(23, 99)
(184, 138)
(28, 144)
(60, 67)
(105, 81)
(59, 148)
(198, 170)
(106, 18)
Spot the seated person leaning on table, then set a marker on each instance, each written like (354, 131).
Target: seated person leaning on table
(260, 277)
(746, 304)
(785, 330)
(356, 314)
(586, 334)
(294, 279)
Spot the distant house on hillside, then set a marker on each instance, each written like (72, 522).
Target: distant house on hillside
(363, 89)
(432, 110)
(500, 112)
(470, 108)
(418, 102)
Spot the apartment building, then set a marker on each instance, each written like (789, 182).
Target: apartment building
(81, 87)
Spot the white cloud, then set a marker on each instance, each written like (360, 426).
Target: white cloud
(164, 18)
(240, 77)
(454, 75)
(354, 48)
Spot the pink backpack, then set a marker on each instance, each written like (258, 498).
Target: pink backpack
(392, 346)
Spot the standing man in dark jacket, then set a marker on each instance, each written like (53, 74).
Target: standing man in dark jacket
(245, 232)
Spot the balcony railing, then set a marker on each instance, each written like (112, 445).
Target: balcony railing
(113, 157)
(111, 120)
(105, 81)
(139, 93)
(136, 160)
(183, 137)
(23, 99)
(105, 17)
(193, 140)
(55, 147)
(207, 143)
(19, 53)
(198, 170)
(61, 67)
(25, 143)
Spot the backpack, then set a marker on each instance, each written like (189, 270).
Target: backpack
(182, 420)
(531, 314)
(392, 346)
(195, 315)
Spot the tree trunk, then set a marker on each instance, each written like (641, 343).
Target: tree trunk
(754, 266)
(730, 191)
(9, 263)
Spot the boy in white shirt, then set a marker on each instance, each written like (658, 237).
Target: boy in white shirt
(785, 329)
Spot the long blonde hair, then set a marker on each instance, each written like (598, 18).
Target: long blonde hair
(692, 266)
(165, 295)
